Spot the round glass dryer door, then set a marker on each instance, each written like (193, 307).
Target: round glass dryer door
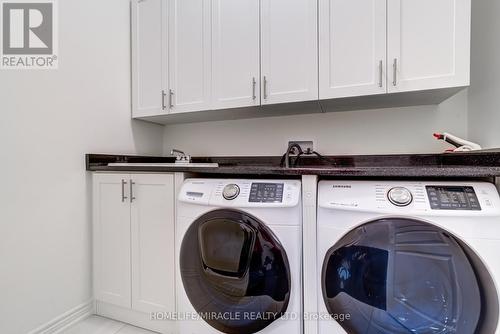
(401, 276)
(235, 272)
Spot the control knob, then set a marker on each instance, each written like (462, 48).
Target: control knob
(400, 196)
(231, 191)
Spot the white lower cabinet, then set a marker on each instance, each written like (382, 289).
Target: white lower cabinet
(152, 241)
(112, 281)
(133, 220)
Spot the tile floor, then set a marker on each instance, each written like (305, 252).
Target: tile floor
(100, 325)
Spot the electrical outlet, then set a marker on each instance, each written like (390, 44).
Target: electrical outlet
(305, 145)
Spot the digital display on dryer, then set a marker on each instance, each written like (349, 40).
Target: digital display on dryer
(266, 193)
(452, 198)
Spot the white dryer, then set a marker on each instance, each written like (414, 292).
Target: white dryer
(238, 247)
(408, 257)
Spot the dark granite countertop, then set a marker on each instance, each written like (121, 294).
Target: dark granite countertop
(479, 164)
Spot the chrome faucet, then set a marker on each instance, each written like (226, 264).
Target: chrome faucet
(180, 156)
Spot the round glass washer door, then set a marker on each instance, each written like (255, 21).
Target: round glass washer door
(402, 276)
(235, 272)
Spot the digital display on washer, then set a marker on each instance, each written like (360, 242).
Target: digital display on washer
(266, 193)
(452, 198)
(194, 194)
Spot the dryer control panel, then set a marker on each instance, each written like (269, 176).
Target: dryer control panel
(452, 198)
(407, 197)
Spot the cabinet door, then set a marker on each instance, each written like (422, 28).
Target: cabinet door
(111, 221)
(189, 55)
(235, 53)
(352, 48)
(428, 44)
(289, 50)
(153, 242)
(149, 57)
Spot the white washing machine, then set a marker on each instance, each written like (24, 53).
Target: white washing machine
(408, 257)
(238, 247)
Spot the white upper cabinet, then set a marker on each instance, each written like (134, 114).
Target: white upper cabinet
(152, 226)
(189, 55)
(235, 53)
(352, 43)
(428, 44)
(149, 57)
(202, 55)
(289, 51)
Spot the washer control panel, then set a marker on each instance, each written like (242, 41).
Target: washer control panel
(452, 198)
(241, 192)
(266, 193)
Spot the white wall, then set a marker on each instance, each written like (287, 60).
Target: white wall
(49, 119)
(484, 94)
(396, 130)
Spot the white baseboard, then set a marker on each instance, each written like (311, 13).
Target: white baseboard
(135, 318)
(67, 319)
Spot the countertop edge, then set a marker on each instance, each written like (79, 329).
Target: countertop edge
(470, 165)
(354, 172)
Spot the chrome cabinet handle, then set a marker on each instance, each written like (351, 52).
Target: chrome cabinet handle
(254, 85)
(123, 190)
(163, 95)
(381, 74)
(395, 72)
(132, 197)
(171, 98)
(265, 88)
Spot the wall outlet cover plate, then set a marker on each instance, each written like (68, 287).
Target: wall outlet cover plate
(305, 145)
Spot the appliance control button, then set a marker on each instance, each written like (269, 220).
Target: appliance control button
(231, 191)
(400, 196)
